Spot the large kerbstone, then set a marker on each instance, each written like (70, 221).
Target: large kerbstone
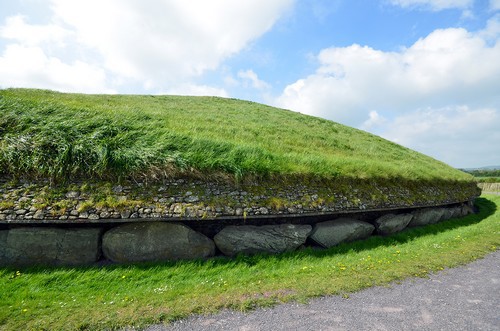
(156, 241)
(391, 223)
(447, 213)
(426, 216)
(49, 246)
(466, 210)
(249, 239)
(331, 233)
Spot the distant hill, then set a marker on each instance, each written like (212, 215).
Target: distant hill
(482, 168)
(59, 135)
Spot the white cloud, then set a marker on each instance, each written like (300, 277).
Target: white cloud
(457, 135)
(197, 90)
(374, 120)
(165, 41)
(156, 44)
(249, 76)
(17, 29)
(434, 5)
(495, 4)
(22, 66)
(450, 66)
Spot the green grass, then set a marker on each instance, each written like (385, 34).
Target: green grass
(46, 134)
(116, 296)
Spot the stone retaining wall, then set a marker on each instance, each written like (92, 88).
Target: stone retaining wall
(182, 199)
(161, 241)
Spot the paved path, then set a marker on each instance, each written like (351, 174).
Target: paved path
(464, 298)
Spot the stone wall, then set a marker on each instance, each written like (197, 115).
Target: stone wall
(71, 244)
(181, 199)
(490, 187)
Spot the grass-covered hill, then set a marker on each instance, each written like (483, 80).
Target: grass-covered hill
(45, 134)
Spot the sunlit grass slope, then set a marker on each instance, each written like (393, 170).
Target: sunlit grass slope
(50, 134)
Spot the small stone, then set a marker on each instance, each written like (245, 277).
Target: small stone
(72, 217)
(239, 212)
(72, 195)
(125, 214)
(33, 209)
(93, 217)
(105, 214)
(84, 215)
(2, 217)
(39, 215)
(20, 211)
(118, 189)
(134, 215)
(63, 217)
(263, 211)
(73, 212)
(192, 199)
(115, 215)
(147, 211)
(177, 209)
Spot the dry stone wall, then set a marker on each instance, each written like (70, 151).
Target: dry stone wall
(180, 199)
(82, 222)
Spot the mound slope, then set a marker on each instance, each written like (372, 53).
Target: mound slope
(46, 133)
(65, 139)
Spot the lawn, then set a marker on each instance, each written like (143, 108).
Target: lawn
(114, 296)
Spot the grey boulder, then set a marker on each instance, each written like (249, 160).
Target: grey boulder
(250, 239)
(391, 223)
(426, 216)
(331, 233)
(466, 210)
(49, 246)
(155, 241)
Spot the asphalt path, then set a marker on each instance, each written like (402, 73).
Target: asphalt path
(463, 298)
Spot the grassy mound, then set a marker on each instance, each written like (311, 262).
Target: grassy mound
(45, 134)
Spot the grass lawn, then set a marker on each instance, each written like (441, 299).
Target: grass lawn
(116, 296)
(49, 134)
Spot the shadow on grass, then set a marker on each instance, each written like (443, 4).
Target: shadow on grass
(486, 208)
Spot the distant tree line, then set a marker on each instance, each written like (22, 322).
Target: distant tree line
(485, 176)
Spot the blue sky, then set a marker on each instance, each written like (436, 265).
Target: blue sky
(422, 73)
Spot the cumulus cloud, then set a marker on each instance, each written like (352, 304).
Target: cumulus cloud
(158, 44)
(448, 66)
(17, 29)
(495, 4)
(434, 5)
(250, 78)
(457, 135)
(29, 66)
(162, 41)
(197, 90)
